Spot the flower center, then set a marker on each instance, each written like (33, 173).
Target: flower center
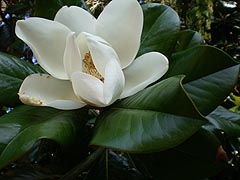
(89, 67)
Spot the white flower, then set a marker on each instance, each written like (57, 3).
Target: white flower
(90, 61)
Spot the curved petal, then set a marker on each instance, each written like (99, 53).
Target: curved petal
(45, 90)
(143, 71)
(88, 88)
(72, 58)
(77, 19)
(121, 24)
(100, 50)
(47, 39)
(94, 91)
(113, 83)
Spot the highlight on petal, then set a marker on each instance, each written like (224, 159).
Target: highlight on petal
(113, 83)
(47, 39)
(100, 50)
(98, 93)
(88, 88)
(77, 19)
(45, 90)
(120, 24)
(143, 71)
(72, 58)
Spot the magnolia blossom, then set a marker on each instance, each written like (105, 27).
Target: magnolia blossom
(89, 61)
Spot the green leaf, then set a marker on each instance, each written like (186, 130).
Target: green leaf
(226, 120)
(12, 72)
(157, 118)
(161, 25)
(22, 127)
(210, 91)
(188, 39)
(48, 8)
(194, 159)
(198, 62)
(210, 75)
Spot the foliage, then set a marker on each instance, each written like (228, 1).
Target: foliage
(169, 130)
(216, 20)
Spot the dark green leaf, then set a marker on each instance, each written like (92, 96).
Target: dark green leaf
(188, 39)
(48, 8)
(119, 167)
(226, 120)
(210, 91)
(198, 62)
(155, 119)
(210, 75)
(194, 159)
(22, 127)
(12, 72)
(161, 24)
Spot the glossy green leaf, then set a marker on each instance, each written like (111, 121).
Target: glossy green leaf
(188, 39)
(48, 8)
(12, 72)
(195, 159)
(210, 91)
(226, 120)
(22, 127)
(210, 75)
(161, 25)
(198, 62)
(157, 118)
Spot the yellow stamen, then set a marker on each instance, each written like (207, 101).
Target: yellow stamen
(89, 67)
(95, 4)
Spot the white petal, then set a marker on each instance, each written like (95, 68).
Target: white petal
(94, 91)
(143, 71)
(113, 83)
(45, 90)
(88, 88)
(47, 39)
(66, 104)
(72, 57)
(121, 24)
(77, 19)
(100, 50)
